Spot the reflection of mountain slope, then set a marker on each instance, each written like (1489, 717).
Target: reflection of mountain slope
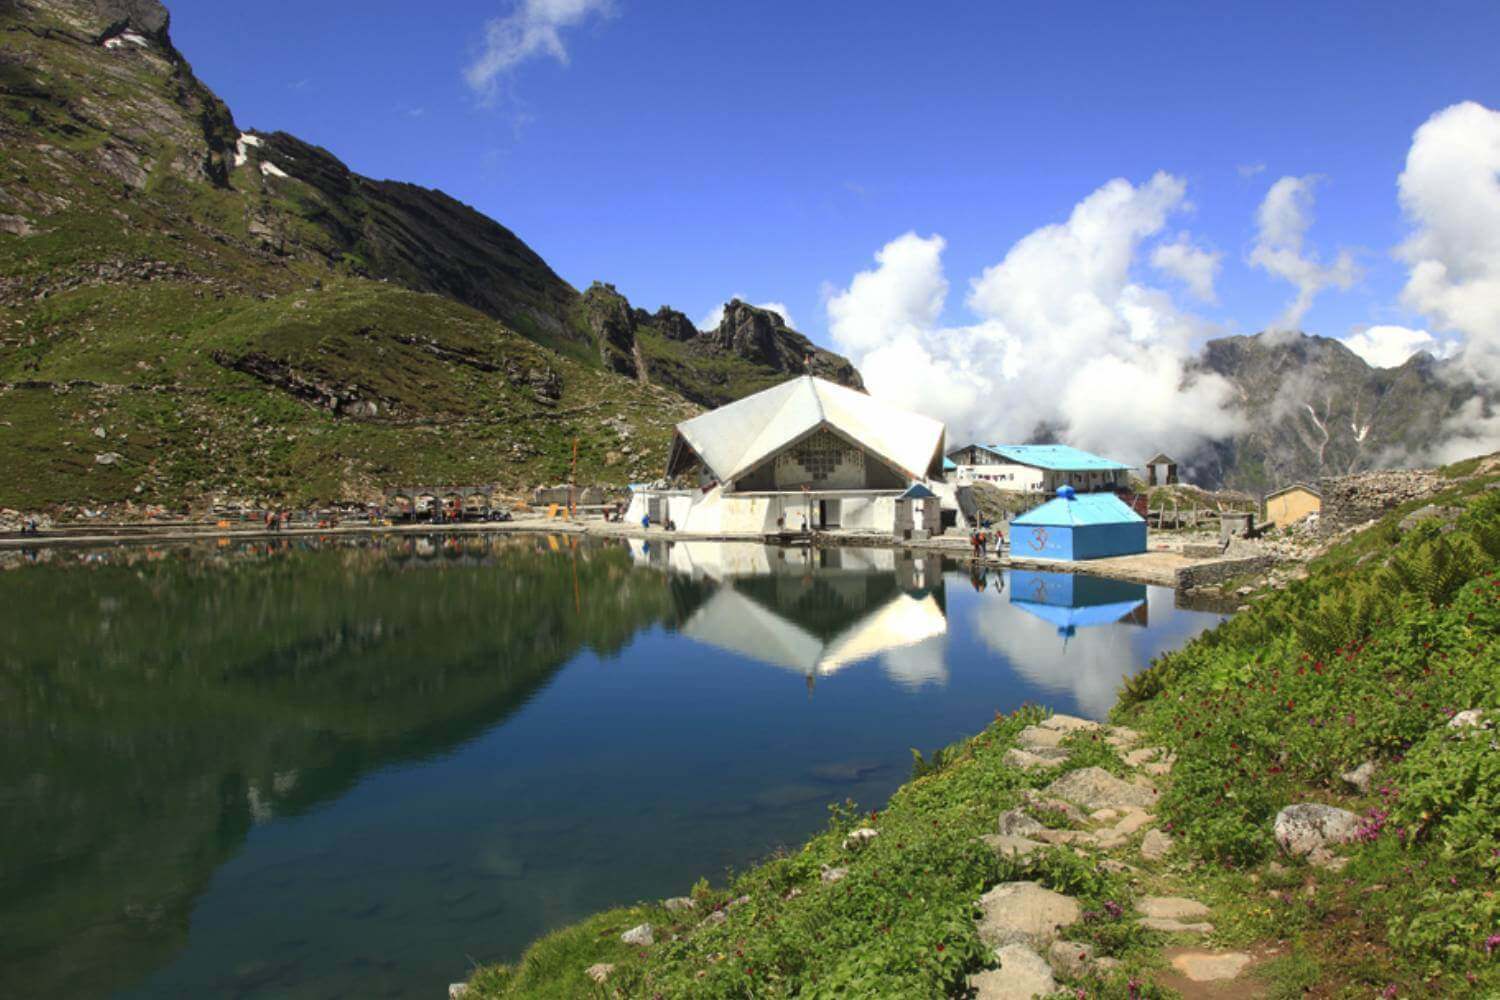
(133, 764)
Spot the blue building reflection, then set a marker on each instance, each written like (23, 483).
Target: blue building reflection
(1072, 602)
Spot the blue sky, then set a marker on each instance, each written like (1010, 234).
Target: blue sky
(686, 151)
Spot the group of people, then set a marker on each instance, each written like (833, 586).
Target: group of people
(982, 538)
(278, 520)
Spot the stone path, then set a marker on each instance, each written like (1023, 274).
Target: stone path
(1026, 924)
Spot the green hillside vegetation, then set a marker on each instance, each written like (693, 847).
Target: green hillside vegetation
(241, 314)
(1366, 659)
(329, 392)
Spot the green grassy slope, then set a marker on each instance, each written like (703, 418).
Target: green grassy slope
(221, 328)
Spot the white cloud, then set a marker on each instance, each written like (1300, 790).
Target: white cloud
(716, 316)
(1249, 170)
(1387, 346)
(1193, 266)
(532, 28)
(1282, 223)
(1450, 190)
(1064, 337)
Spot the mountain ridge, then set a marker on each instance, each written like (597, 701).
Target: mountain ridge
(1315, 408)
(190, 310)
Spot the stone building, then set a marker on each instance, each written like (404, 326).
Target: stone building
(1292, 503)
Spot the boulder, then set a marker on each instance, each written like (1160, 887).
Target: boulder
(1303, 828)
(1172, 907)
(1072, 959)
(1025, 913)
(1438, 512)
(679, 903)
(599, 971)
(1466, 718)
(832, 874)
(1210, 966)
(1108, 840)
(1025, 760)
(638, 935)
(1016, 823)
(1359, 778)
(1038, 737)
(1095, 788)
(1135, 819)
(457, 991)
(1037, 802)
(1007, 846)
(1023, 975)
(1060, 836)
(1171, 926)
(860, 837)
(1155, 845)
(1068, 723)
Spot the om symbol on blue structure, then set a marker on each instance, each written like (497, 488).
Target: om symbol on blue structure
(1038, 539)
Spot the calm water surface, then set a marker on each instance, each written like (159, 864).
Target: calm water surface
(354, 769)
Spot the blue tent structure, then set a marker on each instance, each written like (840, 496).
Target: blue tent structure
(1073, 602)
(1073, 526)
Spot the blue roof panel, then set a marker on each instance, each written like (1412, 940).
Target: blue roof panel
(1085, 509)
(1055, 456)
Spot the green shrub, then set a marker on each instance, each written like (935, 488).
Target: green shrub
(1450, 794)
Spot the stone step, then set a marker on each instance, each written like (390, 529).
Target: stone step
(1173, 907)
(1023, 975)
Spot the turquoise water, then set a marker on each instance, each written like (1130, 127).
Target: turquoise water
(353, 769)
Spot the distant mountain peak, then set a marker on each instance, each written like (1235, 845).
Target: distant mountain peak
(1316, 408)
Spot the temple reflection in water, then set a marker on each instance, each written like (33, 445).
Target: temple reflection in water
(815, 611)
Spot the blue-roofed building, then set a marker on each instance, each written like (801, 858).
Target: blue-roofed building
(1078, 526)
(1037, 468)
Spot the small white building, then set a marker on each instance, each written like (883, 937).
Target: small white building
(1037, 468)
(803, 455)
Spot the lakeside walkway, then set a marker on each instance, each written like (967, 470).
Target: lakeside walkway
(1163, 565)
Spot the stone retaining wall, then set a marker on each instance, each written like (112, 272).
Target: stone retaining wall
(1214, 573)
(1364, 496)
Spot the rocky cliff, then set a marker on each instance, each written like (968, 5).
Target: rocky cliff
(751, 349)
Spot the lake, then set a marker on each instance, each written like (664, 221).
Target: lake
(354, 768)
